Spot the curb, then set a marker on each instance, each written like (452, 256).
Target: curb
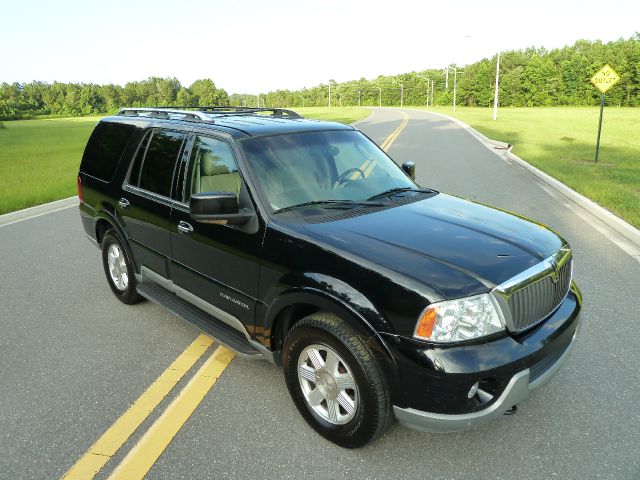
(614, 222)
(38, 210)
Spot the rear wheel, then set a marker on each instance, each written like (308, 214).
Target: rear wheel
(335, 381)
(118, 269)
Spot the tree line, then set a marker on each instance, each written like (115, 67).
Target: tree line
(529, 77)
(73, 99)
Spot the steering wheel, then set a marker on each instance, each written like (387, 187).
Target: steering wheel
(343, 178)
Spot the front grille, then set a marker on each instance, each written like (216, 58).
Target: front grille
(532, 303)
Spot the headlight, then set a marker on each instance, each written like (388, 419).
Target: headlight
(462, 319)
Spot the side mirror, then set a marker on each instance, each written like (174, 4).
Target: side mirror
(410, 169)
(217, 207)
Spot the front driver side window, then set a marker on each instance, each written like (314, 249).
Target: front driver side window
(213, 167)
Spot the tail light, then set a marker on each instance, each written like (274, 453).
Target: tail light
(80, 193)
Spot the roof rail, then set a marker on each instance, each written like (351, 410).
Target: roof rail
(162, 112)
(229, 110)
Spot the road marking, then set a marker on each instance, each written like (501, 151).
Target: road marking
(386, 145)
(368, 165)
(37, 211)
(147, 451)
(108, 444)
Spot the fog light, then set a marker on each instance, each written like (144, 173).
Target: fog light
(473, 390)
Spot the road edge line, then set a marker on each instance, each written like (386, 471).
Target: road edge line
(357, 122)
(37, 211)
(614, 222)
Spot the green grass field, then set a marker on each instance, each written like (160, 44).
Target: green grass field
(336, 114)
(39, 159)
(561, 142)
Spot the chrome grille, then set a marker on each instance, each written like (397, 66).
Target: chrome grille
(530, 297)
(534, 302)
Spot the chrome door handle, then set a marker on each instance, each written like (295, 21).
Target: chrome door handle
(184, 227)
(123, 202)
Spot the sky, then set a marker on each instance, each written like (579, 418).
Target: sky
(256, 46)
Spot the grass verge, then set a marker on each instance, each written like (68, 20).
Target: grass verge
(561, 141)
(39, 159)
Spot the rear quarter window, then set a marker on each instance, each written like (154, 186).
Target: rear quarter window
(104, 149)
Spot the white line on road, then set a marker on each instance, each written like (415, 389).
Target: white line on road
(37, 211)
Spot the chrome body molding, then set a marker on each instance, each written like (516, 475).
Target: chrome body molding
(550, 268)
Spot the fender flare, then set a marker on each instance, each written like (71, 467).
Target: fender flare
(120, 233)
(325, 301)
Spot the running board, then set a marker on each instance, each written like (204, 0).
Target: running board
(223, 333)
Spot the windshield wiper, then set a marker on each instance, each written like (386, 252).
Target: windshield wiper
(393, 191)
(330, 202)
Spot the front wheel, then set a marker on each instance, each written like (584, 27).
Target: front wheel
(335, 381)
(118, 269)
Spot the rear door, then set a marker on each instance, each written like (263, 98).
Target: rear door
(145, 206)
(216, 265)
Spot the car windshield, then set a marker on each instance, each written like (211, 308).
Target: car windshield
(308, 167)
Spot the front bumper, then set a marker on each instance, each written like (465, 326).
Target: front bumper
(517, 390)
(431, 388)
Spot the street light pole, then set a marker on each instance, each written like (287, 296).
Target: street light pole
(495, 98)
(432, 93)
(455, 81)
(358, 97)
(329, 93)
(379, 96)
(446, 79)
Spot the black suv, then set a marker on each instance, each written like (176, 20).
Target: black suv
(303, 243)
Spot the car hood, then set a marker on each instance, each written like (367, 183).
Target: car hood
(453, 245)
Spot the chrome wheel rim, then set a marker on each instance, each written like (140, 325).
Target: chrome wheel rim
(327, 384)
(117, 267)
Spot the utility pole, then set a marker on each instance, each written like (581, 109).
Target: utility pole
(329, 93)
(495, 97)
(302, 100)
(358, 97)
(258, 97)
(446, 79)
(379, 97)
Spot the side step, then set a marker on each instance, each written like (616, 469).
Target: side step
(223, 333)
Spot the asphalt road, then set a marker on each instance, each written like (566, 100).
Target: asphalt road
(72, 358)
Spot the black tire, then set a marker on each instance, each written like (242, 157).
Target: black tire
(373, 414)
(127, 295)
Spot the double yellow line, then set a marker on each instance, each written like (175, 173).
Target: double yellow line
(386, 145)
(155, 440)
(368, 165)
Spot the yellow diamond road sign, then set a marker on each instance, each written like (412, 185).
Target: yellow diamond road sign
(605, 78)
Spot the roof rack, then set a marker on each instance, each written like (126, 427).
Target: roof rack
(162, 112)
(205, 112)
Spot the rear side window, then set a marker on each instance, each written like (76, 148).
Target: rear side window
(156, 167)
(104, 149)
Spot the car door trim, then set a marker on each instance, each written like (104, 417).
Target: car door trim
(147, 274)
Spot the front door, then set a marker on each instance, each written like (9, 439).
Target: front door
(214, 263)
